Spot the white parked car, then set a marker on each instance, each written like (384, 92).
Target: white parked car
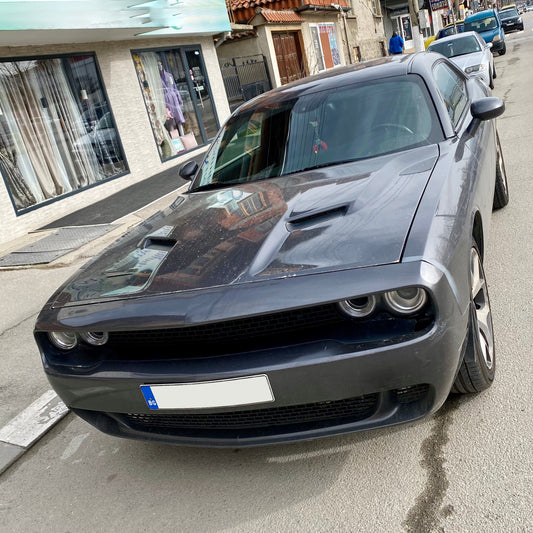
(469, 52)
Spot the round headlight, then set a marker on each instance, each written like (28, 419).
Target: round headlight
(358, 307)
(406, 301)
(64, 340)
(95, 338)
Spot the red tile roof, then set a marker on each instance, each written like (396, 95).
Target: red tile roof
(280, 16)
(283, 4)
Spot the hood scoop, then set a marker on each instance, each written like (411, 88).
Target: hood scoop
(157, 242)
(297, 221)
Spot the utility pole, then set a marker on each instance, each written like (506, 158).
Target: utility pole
(413, 15)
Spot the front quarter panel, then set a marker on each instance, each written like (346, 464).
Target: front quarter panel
(461, 186)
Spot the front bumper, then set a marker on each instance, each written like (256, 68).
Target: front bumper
(320, 388)
(512, 26)
(498, 45)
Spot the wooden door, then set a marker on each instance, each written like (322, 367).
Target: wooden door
(288, 55)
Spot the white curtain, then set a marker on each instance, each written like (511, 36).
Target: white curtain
(45, 150)
(153, 77)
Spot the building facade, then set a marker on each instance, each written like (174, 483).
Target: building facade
(98, 97)
(298, 38)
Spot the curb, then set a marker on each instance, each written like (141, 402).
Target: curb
(23, 431)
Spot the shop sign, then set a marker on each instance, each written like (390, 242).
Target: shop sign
(438, 4)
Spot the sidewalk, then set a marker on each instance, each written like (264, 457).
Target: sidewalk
(25, 290)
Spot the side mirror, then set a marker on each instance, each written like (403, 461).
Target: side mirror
(188, 170)
(487, 108)
(489, 45)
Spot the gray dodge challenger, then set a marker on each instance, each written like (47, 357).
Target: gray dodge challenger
(322, 274)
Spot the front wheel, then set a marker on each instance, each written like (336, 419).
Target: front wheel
(479, 364)
(503, 50)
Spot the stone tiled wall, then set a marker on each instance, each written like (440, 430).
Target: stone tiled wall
(364, 26)
(127, 105)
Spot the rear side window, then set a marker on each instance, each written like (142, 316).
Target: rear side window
(452, 89)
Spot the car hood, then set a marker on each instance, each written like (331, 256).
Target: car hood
(341, 217)
(469, 60)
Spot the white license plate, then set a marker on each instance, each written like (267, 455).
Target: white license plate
(209, 394)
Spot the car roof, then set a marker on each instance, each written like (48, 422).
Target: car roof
(455, 37)
(509, 6)
(419, 63)
(481, 14)
(457, 22)
(396, 65)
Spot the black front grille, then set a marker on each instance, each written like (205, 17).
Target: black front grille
(322, 323)
(321, 413)
(412, 393)
(285, 322)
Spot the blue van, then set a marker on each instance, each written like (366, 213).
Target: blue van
(488, 25)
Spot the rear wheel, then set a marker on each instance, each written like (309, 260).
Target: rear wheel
(501, 190)
(479, 364)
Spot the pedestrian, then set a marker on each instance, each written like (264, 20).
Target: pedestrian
(396, 44)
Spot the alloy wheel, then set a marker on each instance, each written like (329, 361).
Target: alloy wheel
(483, 316)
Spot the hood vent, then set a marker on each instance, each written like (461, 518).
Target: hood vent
(304, 220)
(155, 242)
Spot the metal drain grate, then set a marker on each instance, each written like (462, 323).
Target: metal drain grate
(59, 243)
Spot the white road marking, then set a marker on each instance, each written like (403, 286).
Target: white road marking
(29, 425)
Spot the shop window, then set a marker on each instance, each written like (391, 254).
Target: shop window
(325, 45)
(178, 99)
(57, 134)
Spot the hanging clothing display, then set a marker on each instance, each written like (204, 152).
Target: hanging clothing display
(172, 97)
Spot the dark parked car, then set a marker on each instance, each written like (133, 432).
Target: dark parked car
(323, 273)
(511, 20)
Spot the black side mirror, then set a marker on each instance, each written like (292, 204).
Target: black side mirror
(487, 108)
(188, 170)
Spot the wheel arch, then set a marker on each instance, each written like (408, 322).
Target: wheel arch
(477, 233)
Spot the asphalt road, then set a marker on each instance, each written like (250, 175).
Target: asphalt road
(469, 468)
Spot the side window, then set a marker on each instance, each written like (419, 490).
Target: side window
(452, 89)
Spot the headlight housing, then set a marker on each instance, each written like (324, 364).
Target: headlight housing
(475, 68)
(68, 340)
(405, 301)
(359, 307)
(64, 340)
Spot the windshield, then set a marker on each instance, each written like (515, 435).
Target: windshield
(456, 47)
(508, 13)
(281, 136)
(481, 25)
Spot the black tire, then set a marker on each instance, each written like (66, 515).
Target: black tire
(494, 75)
(503, 50)
(491, 82)
(479, 363)
(501, 189)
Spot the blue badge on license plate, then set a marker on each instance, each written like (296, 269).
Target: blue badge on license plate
(149, 397)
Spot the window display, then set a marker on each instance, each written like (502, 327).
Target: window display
(325, 45)
(57, 134)
(177, 98)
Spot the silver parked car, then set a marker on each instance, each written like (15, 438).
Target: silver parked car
(469, 52)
